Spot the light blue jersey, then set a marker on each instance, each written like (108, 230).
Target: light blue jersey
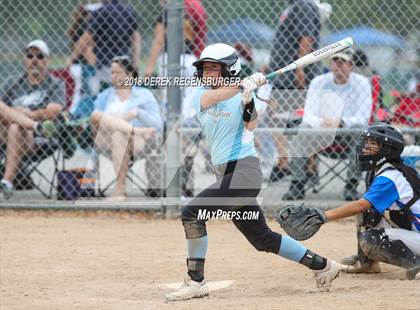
(224, 129)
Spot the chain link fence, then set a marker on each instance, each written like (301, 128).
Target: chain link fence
(69, 130)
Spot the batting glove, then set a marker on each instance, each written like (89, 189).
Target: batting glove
(254, 81)
(247, 95)
(258, 78)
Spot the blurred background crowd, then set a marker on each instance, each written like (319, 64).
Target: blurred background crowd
(65, 119)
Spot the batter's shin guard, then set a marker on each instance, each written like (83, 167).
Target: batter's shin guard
(196, 268)
(376, 246)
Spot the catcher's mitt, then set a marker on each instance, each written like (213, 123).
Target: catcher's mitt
(300, 222)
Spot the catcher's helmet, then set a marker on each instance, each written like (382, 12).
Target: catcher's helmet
(391, 145)
(223, 54)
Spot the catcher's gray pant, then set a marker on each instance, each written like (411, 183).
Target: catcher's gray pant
(237, 186)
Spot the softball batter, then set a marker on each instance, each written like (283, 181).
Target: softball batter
(228, 117)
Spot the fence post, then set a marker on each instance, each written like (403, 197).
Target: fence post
(175, 13)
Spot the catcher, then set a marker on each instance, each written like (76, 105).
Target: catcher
(388, 213)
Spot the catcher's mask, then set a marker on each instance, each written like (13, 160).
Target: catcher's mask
(391, 145)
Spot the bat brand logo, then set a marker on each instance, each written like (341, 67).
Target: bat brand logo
(326, 49)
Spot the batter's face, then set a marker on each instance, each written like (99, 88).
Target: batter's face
(341, 70)
(212, 70)
(371, 147)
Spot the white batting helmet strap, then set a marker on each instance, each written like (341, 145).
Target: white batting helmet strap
(221, 53)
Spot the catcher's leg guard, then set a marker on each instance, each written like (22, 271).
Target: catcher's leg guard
(376, 246)
(359, 259)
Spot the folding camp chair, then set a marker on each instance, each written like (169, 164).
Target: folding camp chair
(333, 161)
(30, 167)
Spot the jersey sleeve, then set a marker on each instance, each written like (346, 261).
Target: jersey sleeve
(196, 100)
(382, 193)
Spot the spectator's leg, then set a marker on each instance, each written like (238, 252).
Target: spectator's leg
(111, 123)
(121, 150)
(13, 116)
(302, 147)
(116, 143)
(281, 169)
(312, 164)
(19, 141)
(298, 168)
(100, 133)
(282, 151)
(312, 174)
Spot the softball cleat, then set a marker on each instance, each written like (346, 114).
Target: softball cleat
(188, 290)
(324, 277)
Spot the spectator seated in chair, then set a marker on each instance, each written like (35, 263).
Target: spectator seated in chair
(126, 121)
(339, 98)
(29, 106)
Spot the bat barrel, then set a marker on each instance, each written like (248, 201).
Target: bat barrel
(314, 57)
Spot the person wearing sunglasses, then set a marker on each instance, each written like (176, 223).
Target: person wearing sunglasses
(29, 104)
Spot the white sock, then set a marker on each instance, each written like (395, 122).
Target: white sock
(7, 183)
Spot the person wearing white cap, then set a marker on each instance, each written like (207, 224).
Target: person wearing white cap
(29, 104)
(340, 98)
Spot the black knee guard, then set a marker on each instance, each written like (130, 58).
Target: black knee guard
(268, 241)
(193, 227)
(376, 246)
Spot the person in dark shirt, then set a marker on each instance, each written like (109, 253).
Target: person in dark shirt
(298, 34)
(29, 104)
(113, 31)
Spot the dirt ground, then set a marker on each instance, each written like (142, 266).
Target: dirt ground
(122, 261)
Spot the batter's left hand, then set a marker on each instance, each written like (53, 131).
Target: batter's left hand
(250, 84)
(254, 81)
